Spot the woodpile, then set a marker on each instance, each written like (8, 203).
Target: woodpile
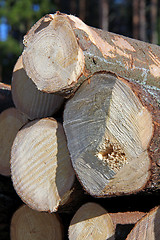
(89, 102)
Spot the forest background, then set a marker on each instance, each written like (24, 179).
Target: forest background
(139, 19)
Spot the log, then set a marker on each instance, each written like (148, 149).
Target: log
(125, 218)
(148, 228)
(91, 221)
(11, 120)
(60, 52)
(41, 169)
(28, 99)
(124, 222)
(112, 136)
(27, 224)
(5, 97)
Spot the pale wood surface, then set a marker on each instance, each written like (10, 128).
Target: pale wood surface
(148, 228)
(91, 222)
(28, 99)
(11, 120)
(27, 224)
(41, 168)
(108, 132)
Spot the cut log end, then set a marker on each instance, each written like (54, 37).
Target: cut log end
(28, 99)
(40, 165)
(52, 57)
(11, 120)
(91, 221)
(108, 132)
(27, 224)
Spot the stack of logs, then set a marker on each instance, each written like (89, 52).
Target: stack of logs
(85, 127)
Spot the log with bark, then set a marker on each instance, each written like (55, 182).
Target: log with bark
(147, 228)
(41, 169)
(5, 97)
(27, 224)
(61, 52)
(112, 134)
(28, 99)
(11, 120)
(91, 221)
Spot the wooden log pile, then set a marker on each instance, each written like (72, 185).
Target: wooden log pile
(84, 134)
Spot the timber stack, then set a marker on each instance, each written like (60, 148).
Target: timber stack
(86, 111)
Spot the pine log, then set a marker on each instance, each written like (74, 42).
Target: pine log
(41, 169)
(148, 228)
(112, 136)
(11, 120)
(91, 222)
(28, 99)
(27, 224)
(61, 52)
(5, 97)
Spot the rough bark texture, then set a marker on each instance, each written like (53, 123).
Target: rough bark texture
(91, 221)
(28, 99)
(93, 50)
(11, 120)
(27, 224)
(109, 131)
(41, 169)
(148, 228)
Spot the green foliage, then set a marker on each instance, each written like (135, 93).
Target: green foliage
(20, 15)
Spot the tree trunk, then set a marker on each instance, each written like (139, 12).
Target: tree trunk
(5, 97)
(28, 99)
(136, 19)
(11, 120)
(104, 14)
(28, 224)
(112, 128)
(82, 9)
(148, 228)
(91, 221)
(154, 16)
(77, 51)
(41, 170)
(142, 20)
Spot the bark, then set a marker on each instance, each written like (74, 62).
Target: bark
(125, 218)
(11, 120)
(28, 99)
(148, 227)
(28, 224)
(41, 170)
(91, 221)
(5, 97)
(112, 129)
(77, 51)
